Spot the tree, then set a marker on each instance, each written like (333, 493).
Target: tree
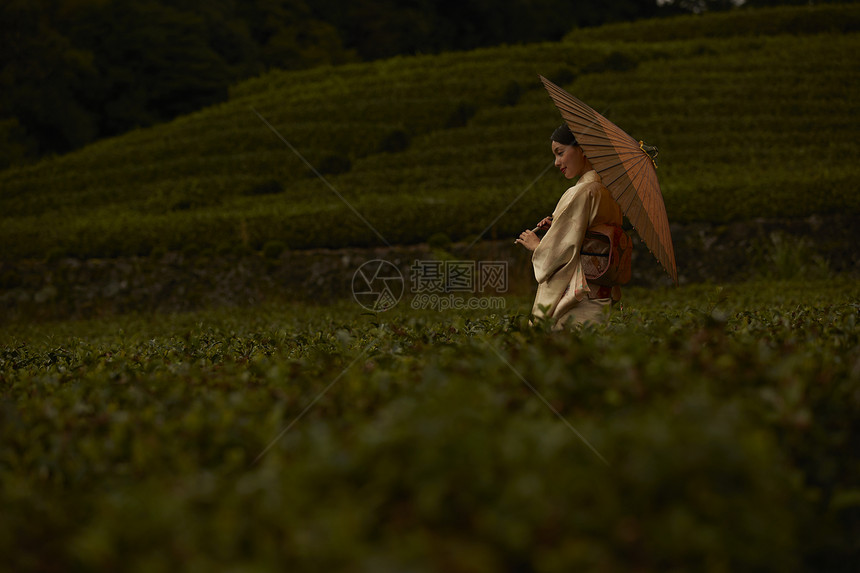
(72, 71)
(289, 35)
(153, 63)
(43, 78)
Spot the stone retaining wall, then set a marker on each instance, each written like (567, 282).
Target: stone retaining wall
(174, 282)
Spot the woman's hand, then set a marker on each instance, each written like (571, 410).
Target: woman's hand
(545, 223)
(528, 239)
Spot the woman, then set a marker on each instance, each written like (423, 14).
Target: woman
(564, 295)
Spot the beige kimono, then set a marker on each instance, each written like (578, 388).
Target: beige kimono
(562, 287)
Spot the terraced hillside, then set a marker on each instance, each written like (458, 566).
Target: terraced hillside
(755, 114)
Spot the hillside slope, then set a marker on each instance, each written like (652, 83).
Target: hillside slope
(749, 124)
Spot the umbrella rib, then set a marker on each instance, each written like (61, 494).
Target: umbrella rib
(622, 193)
(649, 207)
(643, 213)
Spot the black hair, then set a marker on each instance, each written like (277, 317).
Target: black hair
(563, 135)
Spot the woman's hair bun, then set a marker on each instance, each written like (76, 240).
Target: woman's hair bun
(563, 135)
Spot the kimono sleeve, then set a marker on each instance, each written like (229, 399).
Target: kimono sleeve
(562, 242)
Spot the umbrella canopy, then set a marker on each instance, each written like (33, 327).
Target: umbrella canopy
(627, 170)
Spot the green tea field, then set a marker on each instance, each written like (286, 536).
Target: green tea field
(754, 112)
(702, 429)
(169, 403)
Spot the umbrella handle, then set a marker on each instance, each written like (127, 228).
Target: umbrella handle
(538, 228)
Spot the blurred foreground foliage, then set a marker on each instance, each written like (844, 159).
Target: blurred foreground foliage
(705, 429)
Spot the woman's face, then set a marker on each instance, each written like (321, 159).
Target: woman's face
(570, 159)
